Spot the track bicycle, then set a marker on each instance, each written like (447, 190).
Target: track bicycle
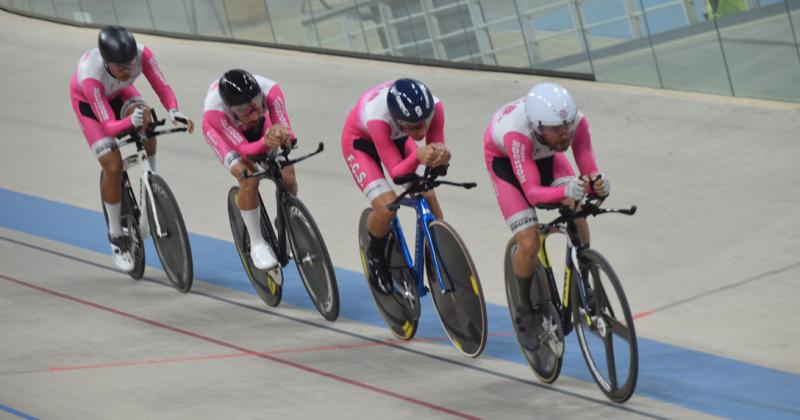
(452, 278)
(162, 217)
(301, 241)
(593, 302)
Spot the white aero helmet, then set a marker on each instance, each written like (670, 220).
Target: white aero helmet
(549, 104)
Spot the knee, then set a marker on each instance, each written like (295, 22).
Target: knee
(112, 167)
(248, 186)
(528, 244)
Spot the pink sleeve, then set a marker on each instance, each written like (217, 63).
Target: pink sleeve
(380, 132)
(219, 122)
(519, 150)
(582, 149)
(157, 80)
(95, 93)
(435, 132)
(276, 104)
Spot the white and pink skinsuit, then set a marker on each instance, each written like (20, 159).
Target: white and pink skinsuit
(371, 136)
(525, 171)
(231, 139)
(100, 101)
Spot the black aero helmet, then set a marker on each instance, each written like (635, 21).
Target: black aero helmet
(238, 87)
(117, 45)
(409, 101)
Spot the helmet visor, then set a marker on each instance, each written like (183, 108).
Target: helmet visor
(255, 105)
(409, 126)
(119, 67)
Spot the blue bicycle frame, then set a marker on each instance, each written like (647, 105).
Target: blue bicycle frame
(424, 217)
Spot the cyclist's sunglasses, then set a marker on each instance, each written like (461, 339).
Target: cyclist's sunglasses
(256, 104)
(130, 66)
(406, 126)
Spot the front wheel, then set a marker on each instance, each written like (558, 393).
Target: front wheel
(460, 305)
(400, 310)
(268, 285)
(312, 259)
(173, 247)
(604, 326)
(545, 362)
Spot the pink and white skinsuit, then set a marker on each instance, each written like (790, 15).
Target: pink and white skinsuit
(525, 171)
(100, 101)
(230, 139)
(371, 136)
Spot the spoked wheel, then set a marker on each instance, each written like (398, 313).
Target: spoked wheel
(130, 227)
(312, 259)
(173, 247)
(460, 305)
(268, 285)
(400, 310)
(546, 361)
(605, 328)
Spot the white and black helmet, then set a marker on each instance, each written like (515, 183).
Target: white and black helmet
(549, 104)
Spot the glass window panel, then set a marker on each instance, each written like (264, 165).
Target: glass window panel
(761, 53)
(338, 25)
(208, 17)
(173, 16)
(618, 43)
(69, 9)
(504, 44)
(692, 62)
(248, 20)
(134, 14)
(99, 11)
(374, 30)
(292, 22)
(43, 7)
(552, 36)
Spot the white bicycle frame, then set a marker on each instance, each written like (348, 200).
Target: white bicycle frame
(140, 159)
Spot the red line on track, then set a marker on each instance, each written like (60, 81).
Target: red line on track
(244, 350)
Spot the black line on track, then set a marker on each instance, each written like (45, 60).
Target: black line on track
(353, 335)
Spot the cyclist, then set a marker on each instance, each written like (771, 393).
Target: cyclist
(107, 104)
(388, 125)
(245, 115)
(524, 149)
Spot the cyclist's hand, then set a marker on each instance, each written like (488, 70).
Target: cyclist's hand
(137, 118)
(276, 136)
(602, 186)
(432, 153)
(443, 156)
(178, 117)
(576, 189)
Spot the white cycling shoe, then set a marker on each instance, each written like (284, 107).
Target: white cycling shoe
(263, 258)
(121, 253)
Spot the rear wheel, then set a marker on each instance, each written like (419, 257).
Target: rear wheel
(129, 216)
(460, 305)
(268, 285)
(312, 259)
(604, 327)
(173, 248)
(545, 362)
(400, 310)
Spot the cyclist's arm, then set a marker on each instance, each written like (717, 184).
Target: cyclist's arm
(157, 80)
(276, 105)
(582, 149)
(219, 121)
(435, 132)
(95, 93)
(381, 133)
(520, 149)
